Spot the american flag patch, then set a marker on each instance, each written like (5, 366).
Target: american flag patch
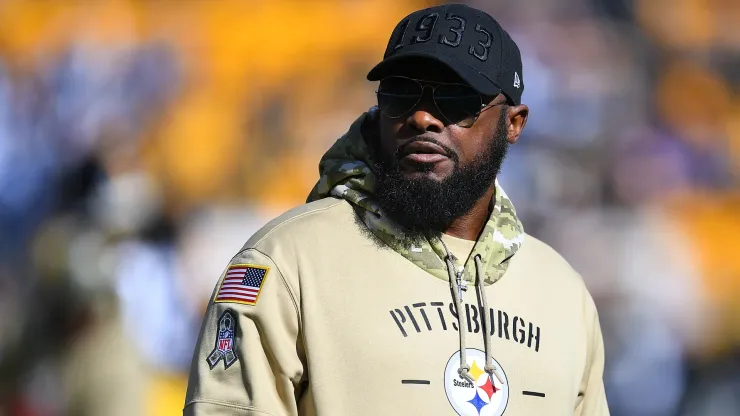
(242, 284)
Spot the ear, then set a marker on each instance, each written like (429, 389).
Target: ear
(517, 116)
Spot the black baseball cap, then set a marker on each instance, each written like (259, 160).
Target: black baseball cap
(468, 40)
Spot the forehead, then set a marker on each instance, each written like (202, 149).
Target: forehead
(426, 69)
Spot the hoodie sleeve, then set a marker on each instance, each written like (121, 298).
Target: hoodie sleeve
(249, 356)
(592, 397)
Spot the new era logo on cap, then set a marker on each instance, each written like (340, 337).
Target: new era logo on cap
(469, 41)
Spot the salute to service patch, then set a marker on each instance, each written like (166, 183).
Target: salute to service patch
(224, 349)
(242, 284)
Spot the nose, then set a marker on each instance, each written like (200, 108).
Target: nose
(423, 120)
(423, 117)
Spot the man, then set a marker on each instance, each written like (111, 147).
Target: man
(407, 285)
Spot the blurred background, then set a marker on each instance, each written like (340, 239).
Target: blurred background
(142, 143)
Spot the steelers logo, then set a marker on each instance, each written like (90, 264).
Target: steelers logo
(485, 397)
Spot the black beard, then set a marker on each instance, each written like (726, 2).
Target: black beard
(428, 207)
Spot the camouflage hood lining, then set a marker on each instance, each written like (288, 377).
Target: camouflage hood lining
(345, 173)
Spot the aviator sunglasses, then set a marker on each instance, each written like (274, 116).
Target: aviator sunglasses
(459, 104)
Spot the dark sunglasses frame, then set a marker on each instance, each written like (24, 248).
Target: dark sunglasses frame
(423, 84)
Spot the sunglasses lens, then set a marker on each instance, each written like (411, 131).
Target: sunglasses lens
(397, 96)
(460, 104)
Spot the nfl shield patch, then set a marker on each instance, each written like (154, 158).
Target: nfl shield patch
(225, 339)
(242, 284)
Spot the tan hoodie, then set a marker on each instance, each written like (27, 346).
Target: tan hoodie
(329, 310)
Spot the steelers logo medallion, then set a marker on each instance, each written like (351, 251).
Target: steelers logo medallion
(488, 396)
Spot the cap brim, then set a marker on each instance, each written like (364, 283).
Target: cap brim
(472, 77)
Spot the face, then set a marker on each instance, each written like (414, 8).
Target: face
(431, 170)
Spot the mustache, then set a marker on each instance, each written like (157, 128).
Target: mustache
(450, 153)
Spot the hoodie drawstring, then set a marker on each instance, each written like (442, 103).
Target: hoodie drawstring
(464, 370)
(455, 278)
(489, 368)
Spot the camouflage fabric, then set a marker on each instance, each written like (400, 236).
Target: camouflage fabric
(345, 173)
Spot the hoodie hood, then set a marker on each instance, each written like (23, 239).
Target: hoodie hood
(345, 173)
